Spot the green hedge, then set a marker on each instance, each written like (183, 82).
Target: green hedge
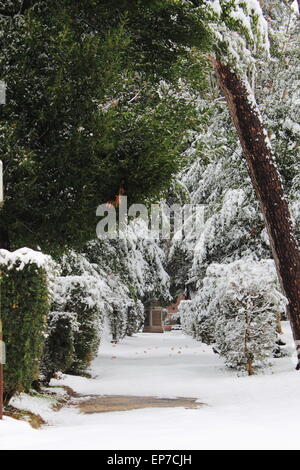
(24, 308)
(78, 299)
(87, 338)
(59, 352)
(135, 317)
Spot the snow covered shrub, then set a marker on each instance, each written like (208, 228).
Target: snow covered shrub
(117, 320)
(245, 336)
(187, 317)
(81, 295)
(179, 261)
(236, 309)
(135, 318)
(59, 351)
(104, 265)
(24, 309)
(248, 302)
(198, 317)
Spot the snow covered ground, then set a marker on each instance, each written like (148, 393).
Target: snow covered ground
(260, 412)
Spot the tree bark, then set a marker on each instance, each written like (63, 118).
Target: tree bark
(278, 324)
(269, 190)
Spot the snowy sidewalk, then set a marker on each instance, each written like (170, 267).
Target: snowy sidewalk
(241, 412)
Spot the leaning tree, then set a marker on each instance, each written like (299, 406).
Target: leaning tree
(240, 35)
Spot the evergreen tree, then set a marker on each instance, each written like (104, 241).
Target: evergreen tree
(236, 312)
(84, 113)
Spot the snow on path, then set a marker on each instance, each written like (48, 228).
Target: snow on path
(260, 412)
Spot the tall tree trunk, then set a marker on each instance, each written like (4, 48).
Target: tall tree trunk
(268, 186)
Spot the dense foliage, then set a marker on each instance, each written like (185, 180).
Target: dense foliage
(24, 309)
(59, 350)
(234, 311)
(86, 113)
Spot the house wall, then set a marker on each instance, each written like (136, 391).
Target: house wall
(153, 319)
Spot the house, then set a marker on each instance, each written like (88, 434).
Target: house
(153, 318)
(174, 307)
